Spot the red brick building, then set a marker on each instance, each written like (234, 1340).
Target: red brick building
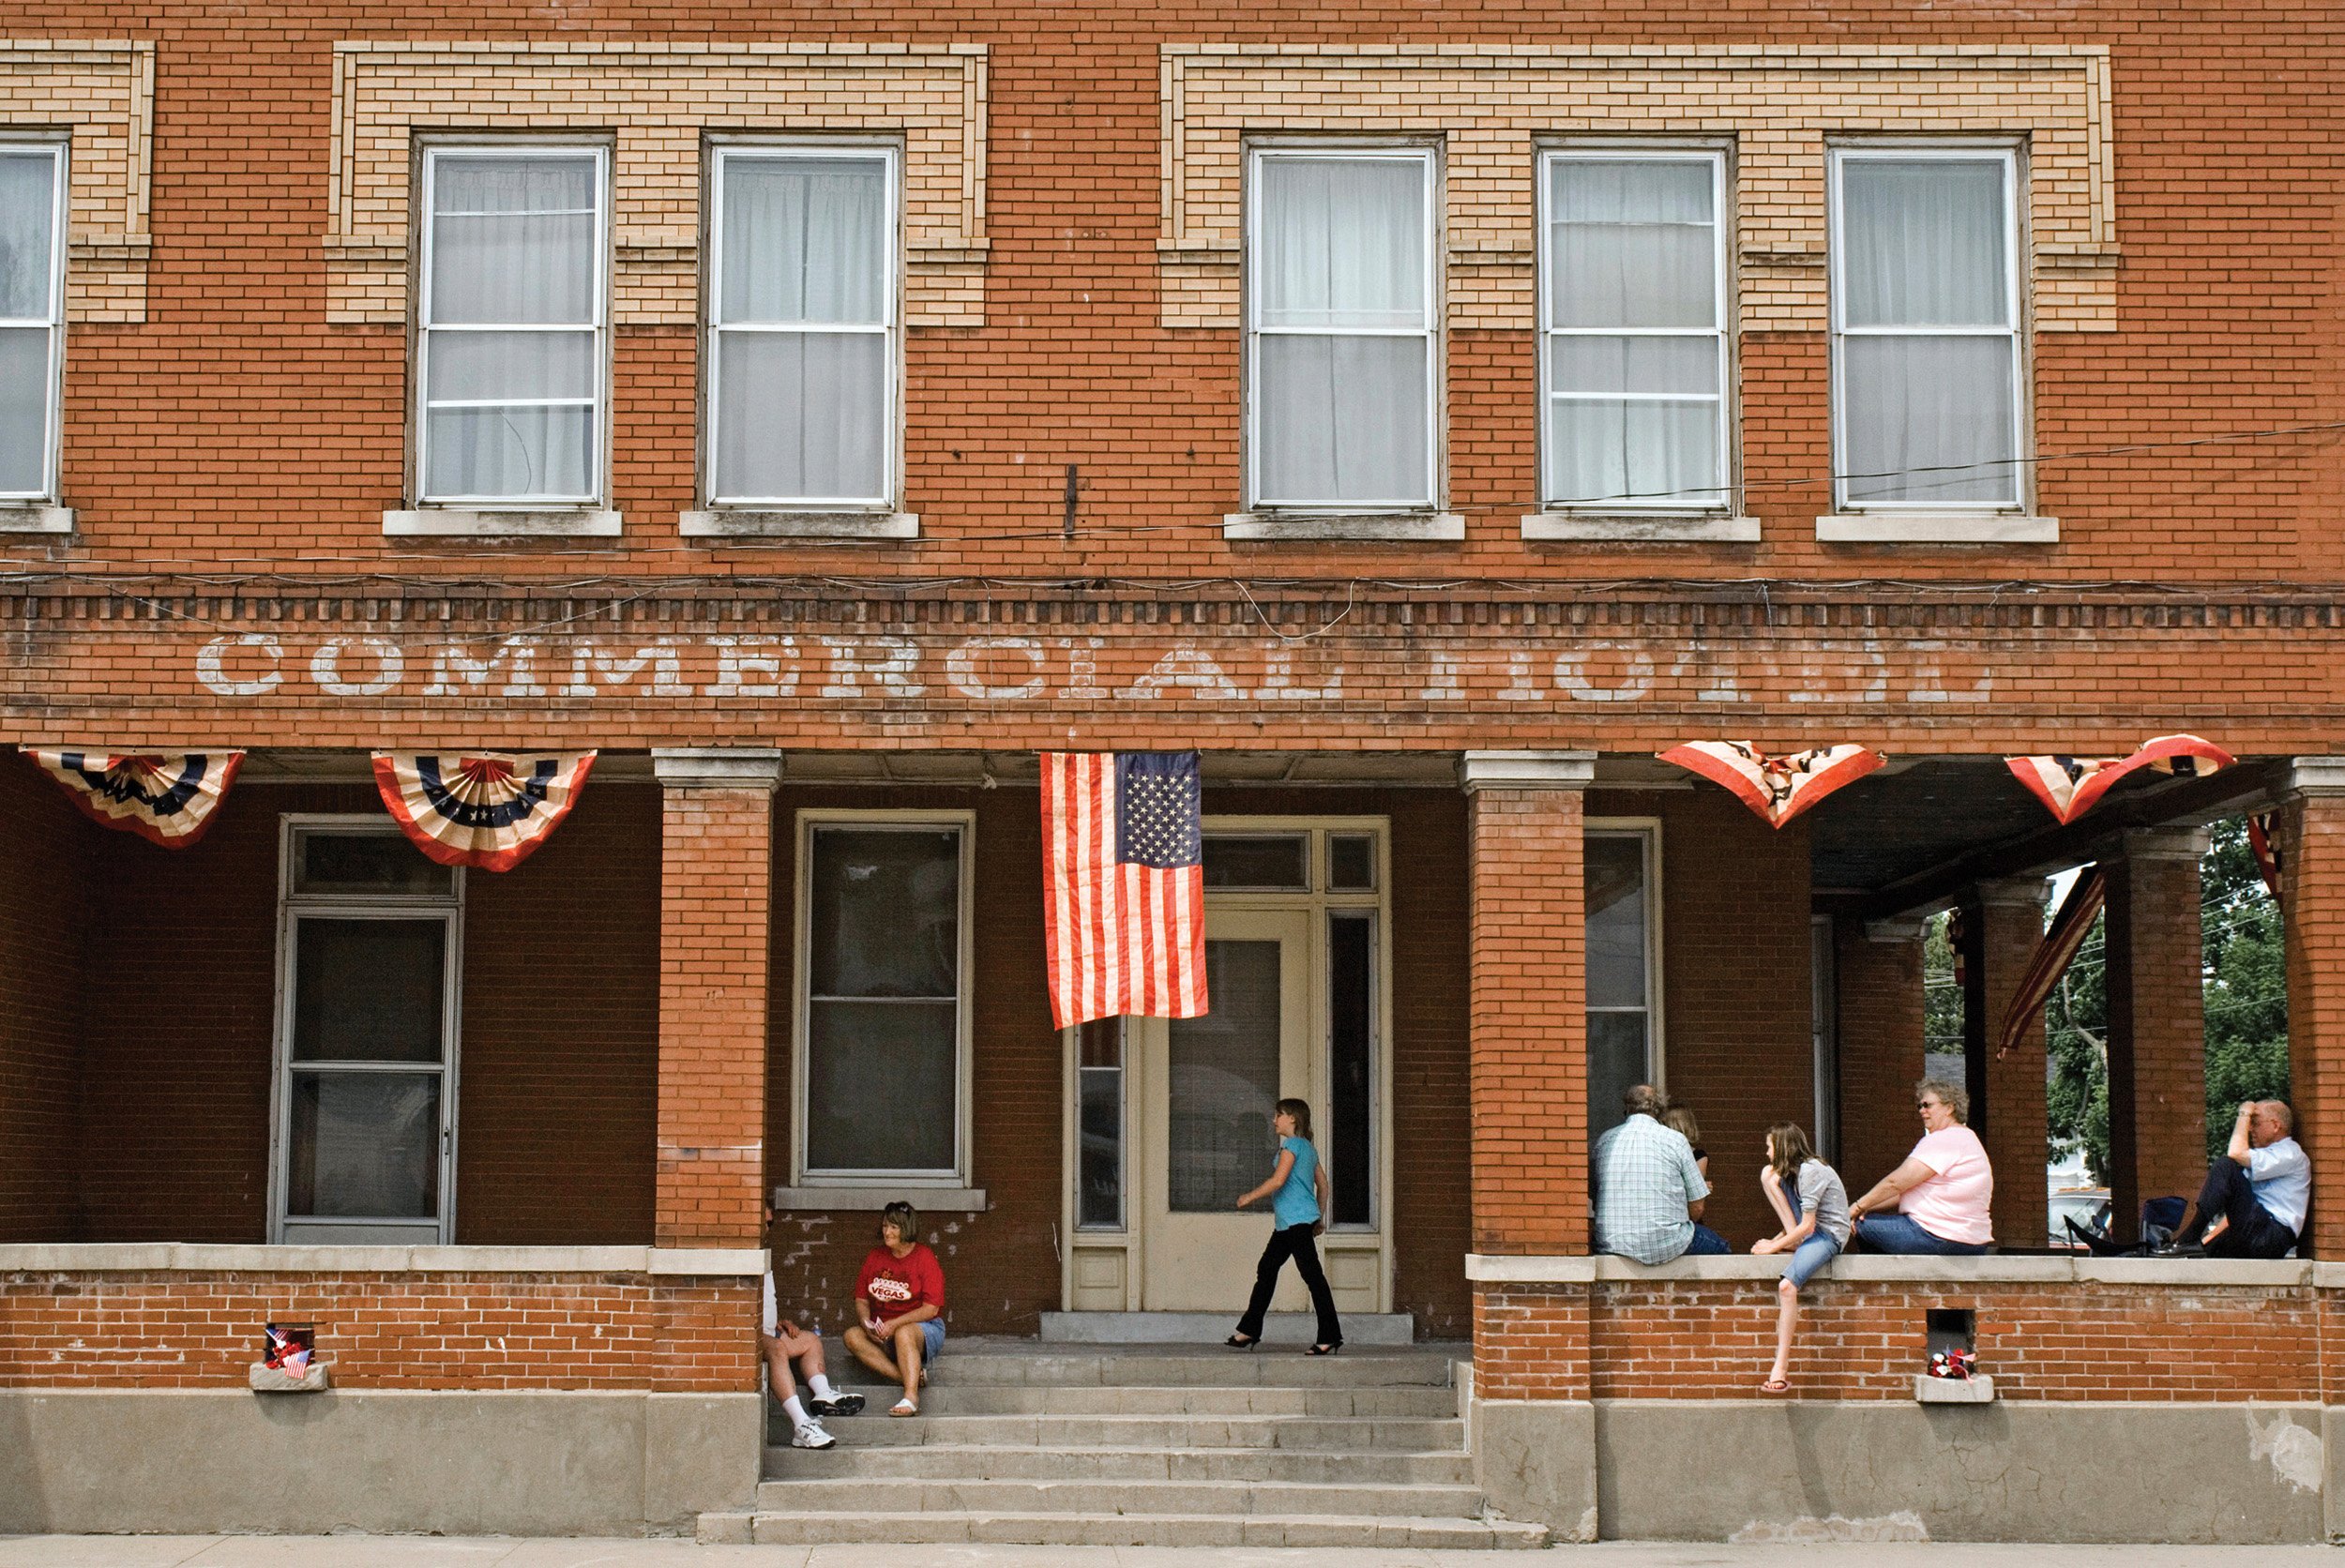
(820, 413)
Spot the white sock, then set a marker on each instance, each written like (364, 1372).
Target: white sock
(797, 1411)
(821, 1385)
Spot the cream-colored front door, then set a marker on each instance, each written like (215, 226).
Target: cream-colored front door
(1206, 1092)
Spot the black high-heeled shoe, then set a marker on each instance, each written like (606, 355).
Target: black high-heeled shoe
(1324, 1350)
(1239, 1342)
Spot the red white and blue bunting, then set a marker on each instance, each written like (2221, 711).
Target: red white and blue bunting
(2071, 786)
(486, 809)
(1778, 786)
(166, 798)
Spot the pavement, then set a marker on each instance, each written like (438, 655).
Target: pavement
(408, 1551)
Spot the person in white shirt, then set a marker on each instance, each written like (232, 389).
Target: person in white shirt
(782, 1342)
(2254, 1200)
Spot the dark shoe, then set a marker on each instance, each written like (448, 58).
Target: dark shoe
(838, 1404)
(2178, 1249)
(1324, 1350)
(1239, 1342)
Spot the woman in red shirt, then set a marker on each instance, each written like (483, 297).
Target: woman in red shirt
(899, 1308)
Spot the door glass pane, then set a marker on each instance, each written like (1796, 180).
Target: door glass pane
(1351, 1151)
(1616, 1062)
(1616, 922)
(366, 862)
(1099, 1084)
(369, 991)
(1276, 860)
(879, 1085)
(1352, 862)
(885, 913)
(365, 1146)
(1224, 1081)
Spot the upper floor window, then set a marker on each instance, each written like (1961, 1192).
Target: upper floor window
(801, 327)
(1633, 303)
(32, 314)
(1341, 360)
(510, 348)
(1926, 328)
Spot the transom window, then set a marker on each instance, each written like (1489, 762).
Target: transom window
(801, 327)
(511, 348)
(32, 314)
(1340, 346)
(1633, 311)
(1926, 352)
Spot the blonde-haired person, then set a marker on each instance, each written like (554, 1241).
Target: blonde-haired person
(1942, 1191)
(1300, 1201)
(900, 1307)
(1807, 1197)
(1680, 1120)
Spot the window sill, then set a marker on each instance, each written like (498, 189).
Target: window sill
(1631, 528)
(1936, 528)
(1409, 527)
(461, 522)
(1984, 1269)
(871, 1200)
(34, 517)
(750, 522)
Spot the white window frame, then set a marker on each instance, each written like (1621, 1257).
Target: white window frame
(1722, 221)
(1647, 830)
(955, 1180)
(2014, 244)
(292, 907)
(1429, 157)
(53, 419)
(714, 329)
(598, 459)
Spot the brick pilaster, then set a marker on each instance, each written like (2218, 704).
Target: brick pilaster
(2008, 1107)
(1878, 974)
(2157, 1024)
(716, 912)
(2313, 904)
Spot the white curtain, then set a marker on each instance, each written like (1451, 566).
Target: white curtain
(27, 222)
(513, 244)
(24, 410)
(802, 413)
(1931, 416)
(1633, 414)
(1344, 404)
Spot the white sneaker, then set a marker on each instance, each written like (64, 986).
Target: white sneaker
(813, 1435)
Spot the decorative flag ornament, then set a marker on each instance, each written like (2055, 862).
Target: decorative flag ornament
(1123, 884)
(487, 808)
(2264, 843)
(166, 798)
(2071, 786)
(2055, 950)
(1778, 788)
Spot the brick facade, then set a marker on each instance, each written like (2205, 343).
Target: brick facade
(42, 914)
(2157, 1024)
(1880, 974)
(2010, 1112)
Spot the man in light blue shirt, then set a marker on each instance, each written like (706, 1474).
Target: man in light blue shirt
(1649, 1192)
(2254, 1200)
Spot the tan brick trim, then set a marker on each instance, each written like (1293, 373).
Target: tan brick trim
(1495, 104)
(101, 92)
(659, 99)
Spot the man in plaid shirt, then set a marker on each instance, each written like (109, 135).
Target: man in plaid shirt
(1648, 1191)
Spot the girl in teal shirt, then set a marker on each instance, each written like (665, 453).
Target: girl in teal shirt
(1300, 1206)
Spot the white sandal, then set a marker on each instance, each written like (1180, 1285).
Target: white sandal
(905, 1407)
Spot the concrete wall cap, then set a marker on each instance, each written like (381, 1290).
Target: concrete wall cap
(2031, 891)
(2163, 843)
(2317, 775)
(1498, 1268)
(717, 767)
(1527, 770)
(707, 1260)
(1903, 928)
(105, 1257)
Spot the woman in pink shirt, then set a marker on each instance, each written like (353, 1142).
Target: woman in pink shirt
(1943, 1189)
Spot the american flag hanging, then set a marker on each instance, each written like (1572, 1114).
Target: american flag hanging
(2071, 786)
(1123, 884)
(484, 808)
(1778, 786)
(165, 799)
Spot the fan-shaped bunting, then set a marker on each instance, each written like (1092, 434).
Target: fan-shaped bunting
(166, 798)
(2071, 786)
(1778, 787)
(487, 810)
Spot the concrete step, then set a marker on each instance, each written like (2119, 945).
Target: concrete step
(1346, 1434)
(860, 1527)
(943, 1398)
(1239, 1466)
(1281, 1498)
(1210, 1328)
(1023, 1362)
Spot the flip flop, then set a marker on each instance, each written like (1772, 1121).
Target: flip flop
(1776, 1385)
(905, 1407)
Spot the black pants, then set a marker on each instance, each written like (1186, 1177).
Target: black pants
(2252, 1232)
(1294, 1242)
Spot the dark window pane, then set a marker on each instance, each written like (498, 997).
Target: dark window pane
(1258, 860)
(365, 1146)
(885, 915)
(369, 991)
(1616, 1062)
(1352, 862)
(1616, 921)
(1100, 1043)
(880, 1086)
(1099, 1196)
(1351, 1064)
(364, 863)
(1224, 1081)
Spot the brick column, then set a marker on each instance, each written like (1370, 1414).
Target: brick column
(716, 914)
(2156, 1023)
(2313, 904)
(1878, 975)
(2009, 1110)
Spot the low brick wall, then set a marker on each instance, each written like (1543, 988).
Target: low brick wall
(387, 1318)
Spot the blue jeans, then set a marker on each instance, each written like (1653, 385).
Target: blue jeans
(1811, 1255)
(931, 1339)
(1706, 1244)
(1898, 1233)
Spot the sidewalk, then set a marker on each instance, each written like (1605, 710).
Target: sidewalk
(376, 1551)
